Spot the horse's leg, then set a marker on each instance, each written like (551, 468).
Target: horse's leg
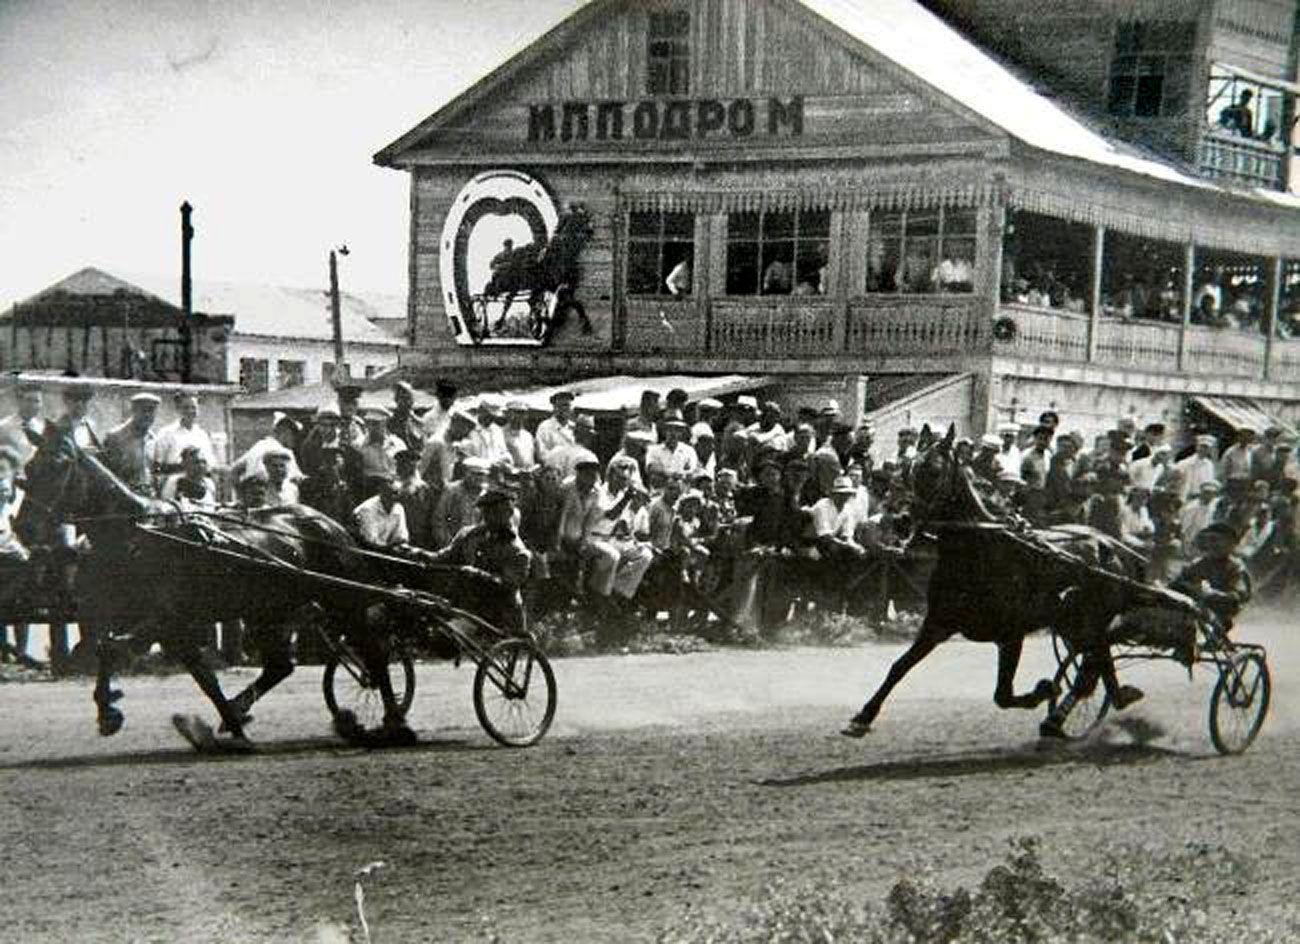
(110, 718)
(273, 643)
(184, 651)
(1098, 659)
(1004, 696)
(931, 635)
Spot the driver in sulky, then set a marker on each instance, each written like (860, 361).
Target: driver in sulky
(493, 545)
(1217, 579)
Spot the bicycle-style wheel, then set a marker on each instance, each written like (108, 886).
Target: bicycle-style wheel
(514, 693)
(1239, 702)
(347, 686)
(1083, 701)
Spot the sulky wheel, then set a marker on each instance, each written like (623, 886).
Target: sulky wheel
(1083, 700)
(347, 686)
(514, 693)
(1239, 702)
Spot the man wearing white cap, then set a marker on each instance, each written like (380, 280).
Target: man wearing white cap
(519, 441)
(325, 435)
(458, 505)
(1009, 455)
(565, 458)
(673, 455)
(1145, 472)
(488, 440)
(76, 415)
(283, 435)
(129, 446)
(1199, 467)
(556, 431)
(377, 455)
(704, 442)
(179, 435)
(836, 518)
(1198, 513)
(985, 464)
(281, 488)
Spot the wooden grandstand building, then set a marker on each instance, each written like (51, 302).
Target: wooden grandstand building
(855, 197)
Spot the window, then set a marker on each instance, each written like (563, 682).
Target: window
(778, 252)
(1242, 108)
(921, 250)
(668, 52)
(660, 247)
(290, 373)
(254, 374)
(1150, 69)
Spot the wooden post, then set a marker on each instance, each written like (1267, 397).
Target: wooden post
(1271, 312)
(1189, 286)
(187, 295)
(336, 316)
(1094, 311)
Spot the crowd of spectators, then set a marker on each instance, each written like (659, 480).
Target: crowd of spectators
(556, 503)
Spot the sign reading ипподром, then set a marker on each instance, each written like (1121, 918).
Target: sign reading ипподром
(666, 120)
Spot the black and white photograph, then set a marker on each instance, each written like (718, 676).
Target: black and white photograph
(665, 471)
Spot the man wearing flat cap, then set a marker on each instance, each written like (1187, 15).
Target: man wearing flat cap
(376, 454)
(327, 489)
(129, 446)
(565, 458)
(1198, 512)
(492, 545)
(444, 451)
(1217, 578)
(488, 441)
(457, 507)
(23, 431)
(1236, 459)
(351, 425)
(556, 431)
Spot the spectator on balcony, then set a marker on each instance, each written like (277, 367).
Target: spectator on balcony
(1237, 117)
(953, 274)
(776, 278)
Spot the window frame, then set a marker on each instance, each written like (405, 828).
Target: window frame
(938, 240)
(798, 240)
(660, 241)
(289, 369)
(676, 64)
(1139, 53)
(259, 370)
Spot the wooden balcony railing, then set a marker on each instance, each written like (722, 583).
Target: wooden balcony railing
(1137, 344)
(667, 326)
(912, 327)
(1255, 163)
(1044, 332)
(1224, 351)
(774, 327)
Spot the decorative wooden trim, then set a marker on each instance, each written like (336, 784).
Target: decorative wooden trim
(1094, 310)
(887, 196)
(1189, 286)
(1276, 275)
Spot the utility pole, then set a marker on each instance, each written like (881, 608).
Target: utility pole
(187, 295)
(335, 309)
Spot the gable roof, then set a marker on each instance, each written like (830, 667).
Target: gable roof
(936, 53)
(91, 281)
(274, 311)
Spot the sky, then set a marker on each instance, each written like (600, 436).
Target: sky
(264, 115)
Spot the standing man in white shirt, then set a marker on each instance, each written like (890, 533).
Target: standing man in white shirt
(177, 436)
(556, 431)
(519, 441)
(1009, 455)
(1199, 467)
(438, 416)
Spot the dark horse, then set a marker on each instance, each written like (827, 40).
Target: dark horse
(998, 580)
(158, 574)
(548, 266)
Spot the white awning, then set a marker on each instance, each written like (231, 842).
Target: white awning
(1240, 413)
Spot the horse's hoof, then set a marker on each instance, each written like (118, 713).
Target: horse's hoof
(1051, 728)
(1044, 690)
(856, 728)
(114, 695)
(400, 736)
(195, 730)
(110, 721)
(236, 744)
(1128, 695)
(347, 727)
(244, 721)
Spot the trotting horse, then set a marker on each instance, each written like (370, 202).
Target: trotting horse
(997, 580)
(147, 573)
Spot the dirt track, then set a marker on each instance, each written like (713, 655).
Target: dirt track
(668, 781)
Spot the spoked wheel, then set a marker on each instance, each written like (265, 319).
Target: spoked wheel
(1083, 700)
(514, 693)
(1239, 702)
(347, 686)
